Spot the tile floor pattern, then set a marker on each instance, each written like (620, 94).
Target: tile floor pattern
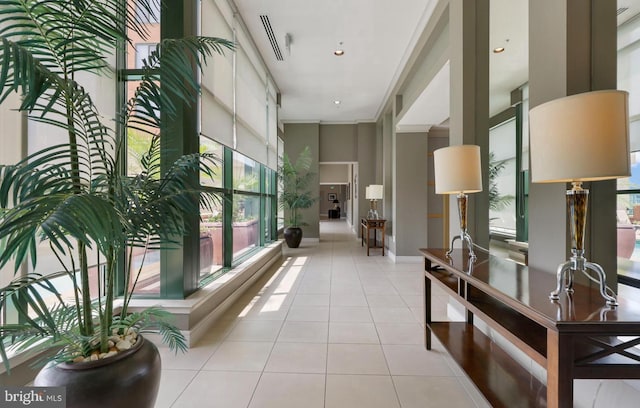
(328, 328)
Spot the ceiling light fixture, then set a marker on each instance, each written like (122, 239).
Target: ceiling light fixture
(336, 102)
(498, 50)
(339, 51)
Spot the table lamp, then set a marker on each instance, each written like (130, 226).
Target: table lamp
(374, 192)
(583, 137)
(457, 171)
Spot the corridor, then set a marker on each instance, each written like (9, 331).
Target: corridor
(328, 327)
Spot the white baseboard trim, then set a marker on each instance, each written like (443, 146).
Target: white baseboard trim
(392, 256)
(311, 240)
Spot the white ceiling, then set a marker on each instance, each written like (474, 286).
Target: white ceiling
(377, 36)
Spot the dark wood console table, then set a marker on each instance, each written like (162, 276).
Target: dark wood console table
(366, 225)
(575, 337)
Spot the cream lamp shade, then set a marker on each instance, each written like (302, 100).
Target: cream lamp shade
(457, 169)
(582, 137)
(374, 192)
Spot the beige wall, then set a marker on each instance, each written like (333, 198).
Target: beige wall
(334, 173)
(339, 143)
(411, 192)
(367, 167)
(12, 131)
(436, 203)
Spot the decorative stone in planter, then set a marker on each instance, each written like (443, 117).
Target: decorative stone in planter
(128, 379)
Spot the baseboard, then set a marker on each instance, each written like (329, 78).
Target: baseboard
(311, 240)
(392, 256)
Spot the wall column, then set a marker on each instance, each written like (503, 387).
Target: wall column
(580, 38)
(411, 193)
(469, 104)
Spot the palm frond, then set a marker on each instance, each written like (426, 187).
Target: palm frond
(173, 61)
(73, 195)
(153, 319)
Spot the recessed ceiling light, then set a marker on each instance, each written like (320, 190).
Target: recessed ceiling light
(339, 51)
(336, 102)
(498, 50)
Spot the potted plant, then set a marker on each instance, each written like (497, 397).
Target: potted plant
(75, 197)
(295, 179)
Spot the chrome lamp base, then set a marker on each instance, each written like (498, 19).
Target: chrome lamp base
(577, 200)
(464, 236)
(578, 262)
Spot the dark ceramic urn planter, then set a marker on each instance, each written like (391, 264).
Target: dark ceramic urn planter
(293, 236)
(128, 379)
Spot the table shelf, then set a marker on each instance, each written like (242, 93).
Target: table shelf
(496, 374)
(574, 337)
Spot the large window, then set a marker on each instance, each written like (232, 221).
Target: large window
(246, 206)
(628, 205)
(242, 219)
(211, 240)
(502, 178)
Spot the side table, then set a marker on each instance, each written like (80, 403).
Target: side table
(366, 225)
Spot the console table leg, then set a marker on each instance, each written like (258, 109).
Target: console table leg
(427, 312)
(559, 370)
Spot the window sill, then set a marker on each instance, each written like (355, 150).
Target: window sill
(193, 315)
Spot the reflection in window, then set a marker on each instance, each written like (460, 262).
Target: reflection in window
(144, 271)
(211, 240)
(211, 147)
(502, 178)
(270, 201)
(628, 200)
(246, 223)
(246, 173)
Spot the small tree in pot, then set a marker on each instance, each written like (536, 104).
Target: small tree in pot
(75, 196)
(295, 179)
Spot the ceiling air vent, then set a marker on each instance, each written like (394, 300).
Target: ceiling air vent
(622, 10)
(272, 38)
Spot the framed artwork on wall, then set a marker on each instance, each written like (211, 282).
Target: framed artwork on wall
(333, 196)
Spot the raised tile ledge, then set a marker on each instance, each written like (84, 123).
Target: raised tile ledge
(194, 315)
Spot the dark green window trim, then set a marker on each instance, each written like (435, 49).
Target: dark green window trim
(179, 268)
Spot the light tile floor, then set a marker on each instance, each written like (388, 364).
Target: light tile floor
(327, 328)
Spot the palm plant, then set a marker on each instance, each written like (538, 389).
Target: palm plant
(497, 201)
(295, 180)
(74, 196)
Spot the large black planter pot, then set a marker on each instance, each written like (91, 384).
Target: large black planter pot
(293, 236)
(129, 379)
